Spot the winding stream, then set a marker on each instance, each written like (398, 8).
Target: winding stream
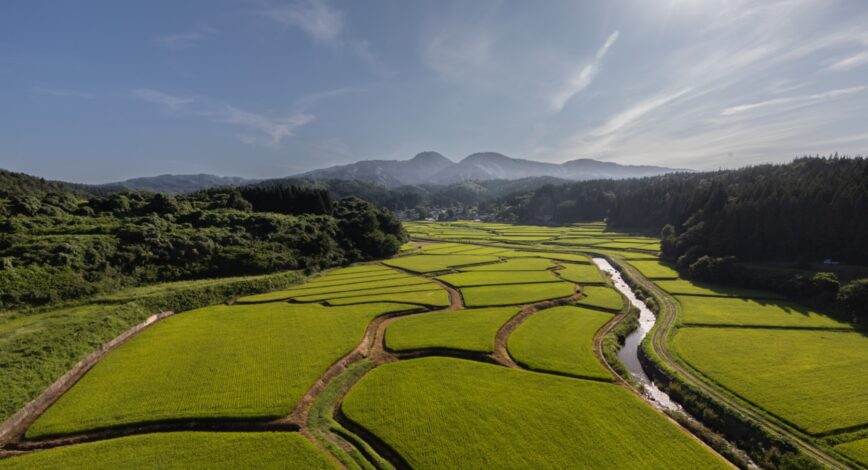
(629, 353)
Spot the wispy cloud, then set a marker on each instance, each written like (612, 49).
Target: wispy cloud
(851, 62)
(583, 77)
(316, 18)
(183, 40)
(791, 100)
(633, 114)
(260, 129)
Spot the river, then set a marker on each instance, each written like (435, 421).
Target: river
(629, 353)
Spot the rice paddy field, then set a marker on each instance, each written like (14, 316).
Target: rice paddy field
(752, 312)
(514, 294)
(467, 330)
(603, 297)
(240, 361)
(813, 379)
(856, 450)
(560, 340)
(453, 413)
(181, 450)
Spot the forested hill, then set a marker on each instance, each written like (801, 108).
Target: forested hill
(58, 242)
(811, 209)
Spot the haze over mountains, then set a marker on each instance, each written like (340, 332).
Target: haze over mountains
(426, 168)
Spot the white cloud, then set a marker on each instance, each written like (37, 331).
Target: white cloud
(792, 100)
(631, 115)
(582, 78)
(851, 62)
(259, 128)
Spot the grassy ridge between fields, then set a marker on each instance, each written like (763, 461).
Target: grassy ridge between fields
(452, 413)
(240, 361)
(560, 340)
(182, 451)
(813, 379)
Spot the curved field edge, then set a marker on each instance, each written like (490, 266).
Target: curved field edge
(525, 419)
(181, 450)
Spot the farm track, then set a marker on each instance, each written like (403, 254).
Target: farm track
(666, 321)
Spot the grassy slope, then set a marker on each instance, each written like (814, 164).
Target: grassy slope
(560, 340)
(469, 330)
(515, 294)
(497, 277)
(602, 296)
(181, 450)
(451, 413)
(813, 379)
(222, 361)
(745, 312)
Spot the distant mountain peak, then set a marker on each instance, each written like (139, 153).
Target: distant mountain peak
(430, 157)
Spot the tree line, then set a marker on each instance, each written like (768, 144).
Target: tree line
(61, 242)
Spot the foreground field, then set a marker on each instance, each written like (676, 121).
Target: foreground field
(812, 379)
(217, 362)
(181, 450)
(560, 340)
(451, 413)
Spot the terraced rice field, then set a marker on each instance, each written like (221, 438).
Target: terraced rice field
(514, 264)
(801, 376)
(560, 340)
(751, 312)
(685, 287)
(485, 278)
(468, 330)
(434, 263)
(581, 273)
(856, 450)
(243, 361)
(515, 294)
(452, 413)
(181, 450)
(654, 270)
(603, 297)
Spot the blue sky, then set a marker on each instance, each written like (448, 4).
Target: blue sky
(104, 90)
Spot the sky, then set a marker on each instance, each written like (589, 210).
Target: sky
(106, 90)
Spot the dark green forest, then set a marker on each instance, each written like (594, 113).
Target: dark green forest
(61, 241)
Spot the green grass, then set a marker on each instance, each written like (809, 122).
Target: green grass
(560, 340)
(856, 450)
(222, 361)
(603, 297)
(486, 278)
(433, 298)
(452, 413)
(181, 450)
(684, 287)
(581, 273)
(515, 294)
(751, 312)
(813, 379)
(654, 270)
(514, 264)
(433, 263)
(469, 330)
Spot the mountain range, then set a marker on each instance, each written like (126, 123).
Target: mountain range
(434, 168)
(426, 168)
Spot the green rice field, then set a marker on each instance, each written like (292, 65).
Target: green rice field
(515, 294)
(751, 312)
(468, 330)
(801, 376)
(685, 287)
(452, 413)
(434, 263)
(217, 362)
(604, 297)
(581, 273)
(181, 450)
(856, 450)
(484, 278)
(560, 340)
